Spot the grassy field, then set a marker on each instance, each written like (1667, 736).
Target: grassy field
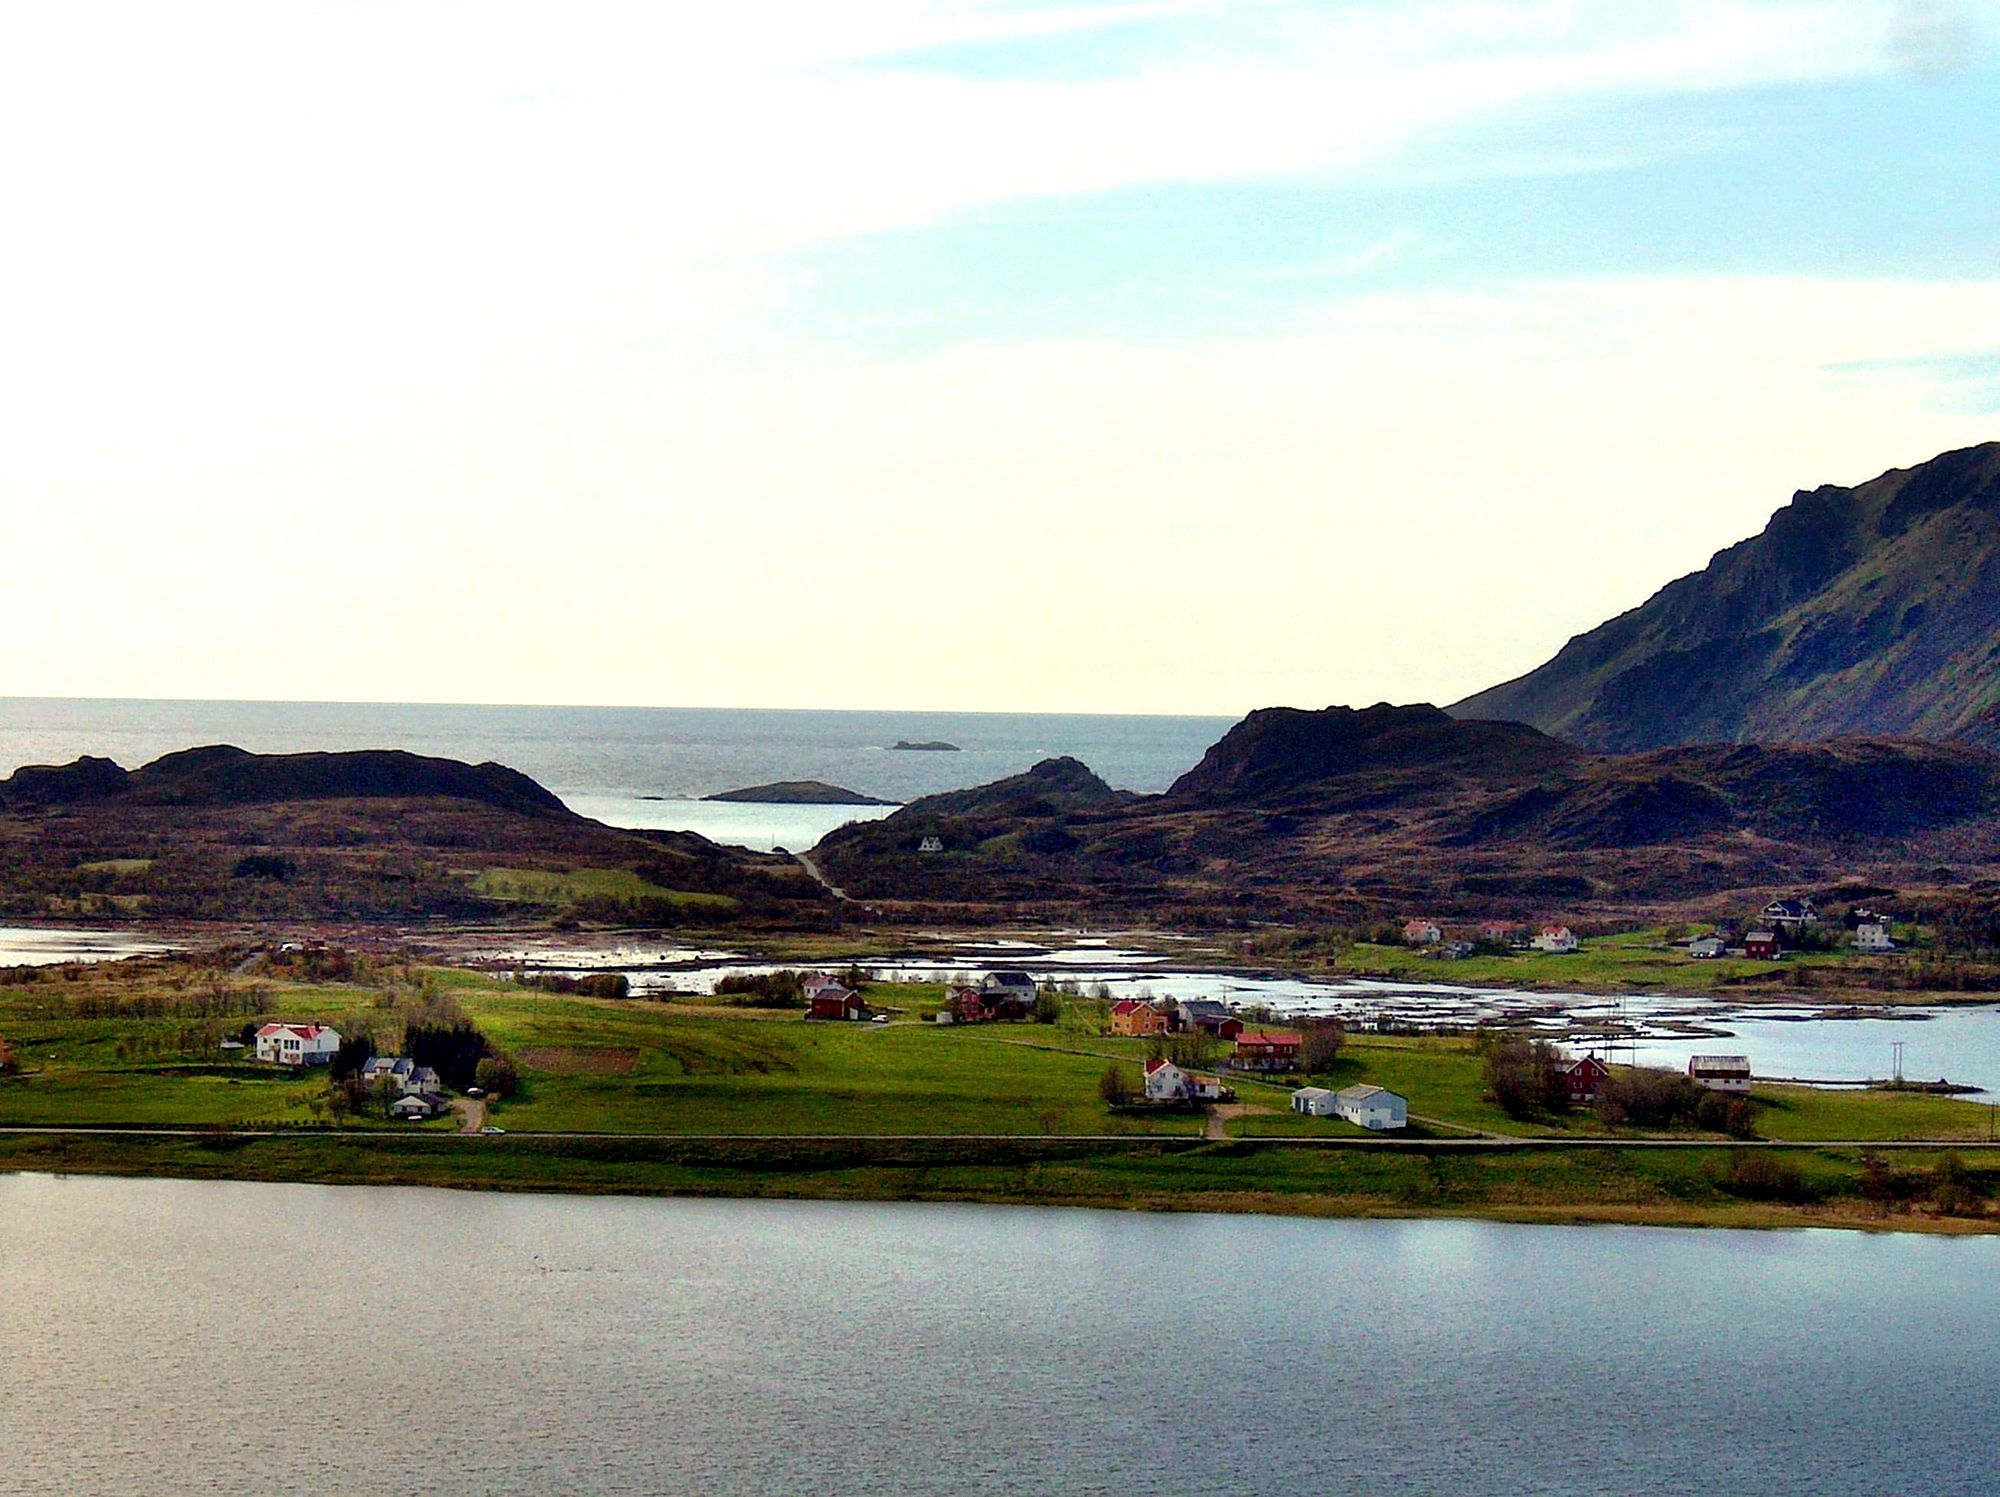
(124, 1045)
(1664, 1188)
(539, 887)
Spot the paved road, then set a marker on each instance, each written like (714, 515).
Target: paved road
(806, 862)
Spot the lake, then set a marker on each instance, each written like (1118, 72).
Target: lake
(219, 1337)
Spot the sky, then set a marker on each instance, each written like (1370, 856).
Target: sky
(1179, 356)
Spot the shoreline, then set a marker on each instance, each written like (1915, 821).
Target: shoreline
(1420, 1181)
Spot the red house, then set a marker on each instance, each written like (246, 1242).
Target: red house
(1261, 1050)
(1584, 1077)
(837, 1003)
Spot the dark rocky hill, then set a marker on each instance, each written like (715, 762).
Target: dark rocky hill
(1870, 610)
(218, 833)
(221, 775)
(1342, 813)
(1280, 755)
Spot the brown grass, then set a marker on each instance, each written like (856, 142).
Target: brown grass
(581, 1060)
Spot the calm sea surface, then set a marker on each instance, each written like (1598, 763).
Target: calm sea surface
(637, 766)
(169, 1336)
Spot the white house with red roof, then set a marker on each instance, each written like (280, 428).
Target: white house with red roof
(1559, 939)
(1167, 1082)
(297, 1044)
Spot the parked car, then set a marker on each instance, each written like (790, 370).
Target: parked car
(489, 1128)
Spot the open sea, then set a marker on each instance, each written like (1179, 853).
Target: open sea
(638, 766)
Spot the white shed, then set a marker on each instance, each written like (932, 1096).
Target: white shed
(1372, 1107)
(1315, 1102)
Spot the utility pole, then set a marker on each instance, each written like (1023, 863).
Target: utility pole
(1896, 1049)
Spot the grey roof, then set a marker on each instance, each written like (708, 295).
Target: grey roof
(1719, 1062)
(1361, 1092)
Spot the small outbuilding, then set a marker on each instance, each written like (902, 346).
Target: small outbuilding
(1316, 1102)
(1762, 946)
(1707, 948)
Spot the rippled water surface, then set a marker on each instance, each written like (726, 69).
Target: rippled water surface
(171, 1336)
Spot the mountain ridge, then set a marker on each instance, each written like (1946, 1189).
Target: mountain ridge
(1871, 610)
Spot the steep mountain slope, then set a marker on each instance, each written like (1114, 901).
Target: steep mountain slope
(1868, 610)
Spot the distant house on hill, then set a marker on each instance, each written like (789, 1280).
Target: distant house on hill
(1264, 1050)
(297, 1044)
(1789, 914)
(1873, 935)
(1132, 1017)
(1557, 939)
(1762, 946)
(1421, 933)
(1720, 1073)
(931, 844)
(837, 1003)
(1372, 1107)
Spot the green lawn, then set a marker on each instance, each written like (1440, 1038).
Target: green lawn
(541, 887)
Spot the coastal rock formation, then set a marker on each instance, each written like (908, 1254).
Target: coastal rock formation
(800, 793)
(1871, 610)
(221, 775)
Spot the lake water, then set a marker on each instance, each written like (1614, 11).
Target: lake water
(605, 761)
(170, 1336)
(22, 946)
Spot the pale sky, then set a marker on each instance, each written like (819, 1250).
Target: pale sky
(1156, 356)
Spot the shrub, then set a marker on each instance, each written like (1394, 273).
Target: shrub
(1759, 1175)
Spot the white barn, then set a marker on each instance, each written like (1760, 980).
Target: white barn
(1720, 1073)
(1372, 1107)
(1316, 1102)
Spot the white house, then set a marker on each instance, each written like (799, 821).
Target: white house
(1167, 1082)
(1018, 986)
(1720, 1073)
(931, 844)
(1421, 933)
(1794, 913)
(416, 1106)
(1559, 939)
(1315, 1102)
(1372, 1107)
(1873, 935)
(297, 1044)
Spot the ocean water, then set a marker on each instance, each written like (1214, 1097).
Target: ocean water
(637, 766)
(180, 1336)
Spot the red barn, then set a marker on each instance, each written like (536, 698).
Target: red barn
(837, 1003)
(1762, 946)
